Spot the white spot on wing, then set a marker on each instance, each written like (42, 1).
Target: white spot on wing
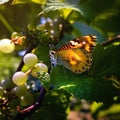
(73, 42)
(84, 42)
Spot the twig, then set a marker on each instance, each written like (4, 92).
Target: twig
(64, 26)
(111, 40)
(29, 110)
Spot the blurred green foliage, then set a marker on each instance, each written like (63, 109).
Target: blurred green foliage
(101, 83)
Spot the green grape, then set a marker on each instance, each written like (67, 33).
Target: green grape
(30, 27)
(44, 78)
(30, 59)
(7, 84)
(39, 67)
(6, 46)
(27, 99)
(19, 78)
(15, 34)
(19, 90)
(1, 91)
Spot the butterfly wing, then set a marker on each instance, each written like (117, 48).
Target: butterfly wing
(76, 60)
(76, 55)
(85, 42)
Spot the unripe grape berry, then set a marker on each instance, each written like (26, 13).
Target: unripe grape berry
(19, 78)
(27, 99)
(7, 84)
(41, 67)
(44, 77)
(19, 90)
(30, 59)
(15, 34)
(6, 46)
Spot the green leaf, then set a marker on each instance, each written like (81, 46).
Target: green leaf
(7, 68)
(42, 53)
(106, 61)
(104, 22)
(85, 29)
(54, 106)
(53, 5)
(103, 15)
(92, 85)
(11, 21)
(82, 86)
(28, 1)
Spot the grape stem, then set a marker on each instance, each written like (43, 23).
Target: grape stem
(29, 110)
(28, 50)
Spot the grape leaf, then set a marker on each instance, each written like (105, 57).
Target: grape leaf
(103, 15)
(106, 61)
(58, 100)
(84, 87)
(52, 5)
(28, 1)
(91, 85)
(42, 53)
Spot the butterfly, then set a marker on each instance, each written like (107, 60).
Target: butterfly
(76, 55)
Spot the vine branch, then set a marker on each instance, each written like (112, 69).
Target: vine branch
(32, 108)
(114, 39)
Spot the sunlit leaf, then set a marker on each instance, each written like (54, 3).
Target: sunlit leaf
(28, 1)
(84, 87)
(53, 5)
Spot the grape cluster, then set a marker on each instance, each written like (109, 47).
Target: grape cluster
(38, 70)
(22, 85)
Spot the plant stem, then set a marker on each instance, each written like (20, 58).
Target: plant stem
(114, 39)
(29, 110)
(64, 25)
(7, 25)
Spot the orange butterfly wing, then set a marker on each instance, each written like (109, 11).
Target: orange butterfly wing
(76, 55)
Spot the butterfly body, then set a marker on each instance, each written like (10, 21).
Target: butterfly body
(76, 55)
